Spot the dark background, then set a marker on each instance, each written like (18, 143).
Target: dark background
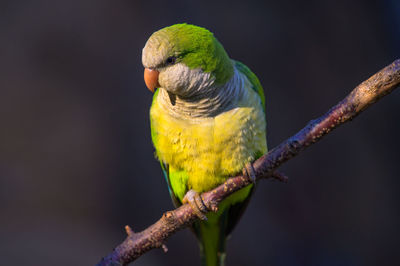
(76, 159)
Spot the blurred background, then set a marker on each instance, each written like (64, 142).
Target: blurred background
(76, 159)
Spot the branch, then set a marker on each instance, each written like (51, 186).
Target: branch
(364, 95)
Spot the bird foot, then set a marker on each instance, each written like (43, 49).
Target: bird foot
(249, 171)
(196, 202)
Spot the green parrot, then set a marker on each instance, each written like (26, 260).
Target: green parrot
(207, 123)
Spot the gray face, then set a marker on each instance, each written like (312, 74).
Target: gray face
(156, 50)
(176, 78)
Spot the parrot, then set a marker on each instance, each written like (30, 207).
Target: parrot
(207, 121)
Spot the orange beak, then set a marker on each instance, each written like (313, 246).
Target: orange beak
(151, 79)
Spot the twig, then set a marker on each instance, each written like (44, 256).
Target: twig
(367, 93)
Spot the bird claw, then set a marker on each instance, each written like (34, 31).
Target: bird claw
(249, 171)
(196, 202)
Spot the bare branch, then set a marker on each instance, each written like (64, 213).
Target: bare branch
(367, 93)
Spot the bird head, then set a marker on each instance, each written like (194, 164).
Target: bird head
(184, 59)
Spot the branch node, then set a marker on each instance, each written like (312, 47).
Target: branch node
(164, 248)
(169, 216)
(129, 230)
(279, 176)
(294, 145)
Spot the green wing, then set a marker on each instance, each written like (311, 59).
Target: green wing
(253, 80)
(175, 200)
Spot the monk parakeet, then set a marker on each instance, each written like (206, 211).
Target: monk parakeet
(207, 123)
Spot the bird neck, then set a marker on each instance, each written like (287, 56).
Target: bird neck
(212, 100)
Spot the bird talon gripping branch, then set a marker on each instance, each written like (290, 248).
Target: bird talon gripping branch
(197, 204)
(249, 171)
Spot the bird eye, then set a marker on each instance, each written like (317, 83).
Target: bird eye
(170, 60)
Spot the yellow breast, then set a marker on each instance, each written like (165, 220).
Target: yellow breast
(210, 149)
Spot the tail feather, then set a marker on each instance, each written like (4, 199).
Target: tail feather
(212, 234)
(212, 239)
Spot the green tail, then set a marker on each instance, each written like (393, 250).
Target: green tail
(212, 234)
(212, 239)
